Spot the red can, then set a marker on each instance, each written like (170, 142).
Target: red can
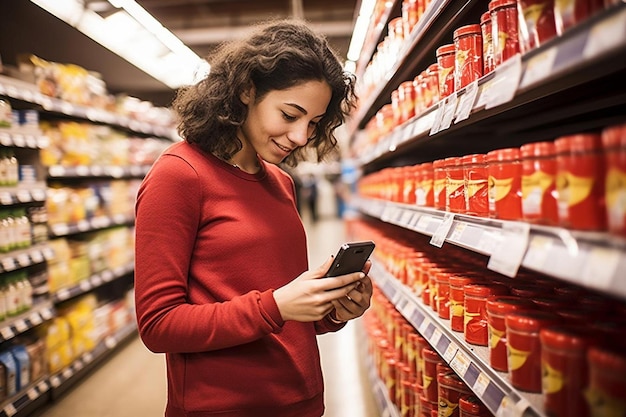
(446, 63)
(580, 182)
(450, 388)
(536, 23)
(443, 294)
(429, 374)
(486, 32)
(420, 95)
(476, 177)
(427, 407)
(468, 55)
(439, 184)
(539, 203)
(409, 16)
(614, 143)
(607, 380)
(504, 29)
(498, 307)
(471, 406)
(568, 13)
(457, 299)
(424, 193)
(455, 184)
(407, 100)
(564, 370)
(505, 184)
(524, 347)
(432, 84)
(475, 323)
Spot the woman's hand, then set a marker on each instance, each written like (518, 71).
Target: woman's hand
(310, 297)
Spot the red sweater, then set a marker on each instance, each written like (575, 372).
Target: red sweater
(212, 243)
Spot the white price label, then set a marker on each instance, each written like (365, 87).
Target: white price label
(538, 251)
(36, 256)
(466, 102)
(450, 352)
(510, 408)
(8, 264)
(23, 259)
(110, 342)
(20, 325)
(600, 268)
(107, 275)
(46, 314)
(423, 223)
(457, 231)
(85, 285)
(56, 171)
(7, 333)
(63, 294)
(481, 384)
(460, 363)
(42, 387)
(35, 319)
(32, 394)
(539, 67)
(449, 111)
(83, 225)
(55, 381)
(88, 357)
(434, 340)
(606, 34)
(442, 231)
(60, 229)
(423, 326)
(24, 196)
(10, 410)
(508, 254)
(506, 80)
(6, 198)
(438, 117)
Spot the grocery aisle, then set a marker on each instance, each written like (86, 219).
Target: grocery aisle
(132, 382)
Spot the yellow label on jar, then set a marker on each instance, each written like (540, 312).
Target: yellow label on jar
(502, 37)
(579, 188)
(532, 14)
(499, 188)
(461, 56)
(469, 316)
(516, 358)
(427, 380)
(439, 186)
(446, 408)
(474, 186)
(603, 405)
(495, 336)
(456, 309)
(552, 380)
(616, 195)
(445, 74)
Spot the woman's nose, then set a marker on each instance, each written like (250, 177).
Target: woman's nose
(299, 134)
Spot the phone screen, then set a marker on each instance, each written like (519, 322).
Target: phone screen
(351, 257)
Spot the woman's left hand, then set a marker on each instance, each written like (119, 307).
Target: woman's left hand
(357, 301)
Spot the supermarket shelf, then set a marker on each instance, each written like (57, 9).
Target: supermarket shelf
(13, 326)
(22, 194)
(94, 281)
(469, 362)
(109, 171)
(380, 392)
(27, 399)
(25, 257)
(27, 92)
(21, 138)
(374, 33)
(88, 225)
(592, 260)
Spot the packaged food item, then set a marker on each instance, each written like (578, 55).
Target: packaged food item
(476, 178)
(505, 184)
(431, 359)
(536, 23)
(457, 298)
(475, 323)
(607, 380)
(568, 13)
(468, 55)
(504, 29)
(439, 184)
(424, 195)
(539, 203)
(471, 406)
(614, 144)
(455, 185)
(446, 69)
(451, 388)
(487, 35)
(443, 294)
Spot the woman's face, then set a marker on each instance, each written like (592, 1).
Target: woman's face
(283, 120)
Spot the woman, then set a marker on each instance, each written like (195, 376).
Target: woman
(221, 281)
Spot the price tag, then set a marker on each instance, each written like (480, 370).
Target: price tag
(450, 352)
(32, 394)
(85, 285)
(438, 117)
(442, 230)
(10, 410)
(63, 294)
(508, 254)
(23, 259)
(35, 319)
(449, 112)
(506, 408)
(110, 342)
(466, 102)
(538, 252)
(8, 264)
(481, 384)
(67, 108)
(601, 267)
(88, 357)
(36, 256)
(31, 141)
(60, 229)
(42, 387)
(55, 381)
(423, 326)
(96, 280)
(107, 275)
(82, 170)
(46, 314)
(409, 310)
(6, 199)
(67, 373)
(457, 232)
(606, 34)
(5, 139)
(23, 196)
(460, 363)
(506, 80)
(38, 194)
(538, 67)
(83, 225)
(407, 215)
(434, 340)
(78, 365)
(117, 172)
(20, 325)
(7, 333)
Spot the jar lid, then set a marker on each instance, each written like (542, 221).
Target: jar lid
(527, 290)
(433, 68)
(485, 17)
(477, 158)
(472, 405)
(495, 4)
(473, 29)
(502, 304)
(507, 154)
(567, 337)
(452, 161)
(465, 279)
(445, 49)
(452, 380)
(537, 149)
(485, 289)
(530, 320)
(614, 136)
(442, 276)
(443, 368)
(438, 163)
(407, 84)
(430, 355)
(611, 359)
(426, 165)
(550, 303)
(579, 143)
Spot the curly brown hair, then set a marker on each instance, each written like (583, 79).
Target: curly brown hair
(278, 55)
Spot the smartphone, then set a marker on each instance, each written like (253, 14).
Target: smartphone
(351, 257)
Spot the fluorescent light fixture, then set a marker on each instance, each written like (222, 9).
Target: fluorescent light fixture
(360, 29)
(135, 35)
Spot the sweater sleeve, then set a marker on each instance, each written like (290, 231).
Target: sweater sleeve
(168, 213)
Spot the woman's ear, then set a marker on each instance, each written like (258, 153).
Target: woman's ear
(247, 95)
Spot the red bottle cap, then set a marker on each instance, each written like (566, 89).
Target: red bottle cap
(507, 154)
(445, 49)
(496, 4)
(433, 68)
(537, 149)
(580, 143)
(467, 30)
(485, 17)
(477, 158)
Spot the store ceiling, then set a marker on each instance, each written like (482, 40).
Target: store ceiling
(201, 24)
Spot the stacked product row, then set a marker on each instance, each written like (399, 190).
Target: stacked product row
(544, 336)
(576, 181)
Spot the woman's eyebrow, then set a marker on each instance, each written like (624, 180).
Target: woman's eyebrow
(301, 109)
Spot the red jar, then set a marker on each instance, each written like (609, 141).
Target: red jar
(429, 374)
(524, 347)
(607, 380)
(475, 323)
(580, 182)
(432, 85)
(486, 32)
(427, 407)
(568, 13)
(407, 100)
(455, 184)
(614, 144)
(424, 193)
(498, 307)
(446, 62)
(476, 177)
(505, 184)
(564, 370)
(396, 106)
(457, 299)
(420, 95)
(471, 406)
(468, 55)
(432, 284)
(409, 16)
(443, 294)
(527, 291)
(439, 184)
(504, 29)
(450, 388)
(421, 345)
(539, 203)
(536, 23)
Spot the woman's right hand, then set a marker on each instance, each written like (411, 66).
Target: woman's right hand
(309, 298)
